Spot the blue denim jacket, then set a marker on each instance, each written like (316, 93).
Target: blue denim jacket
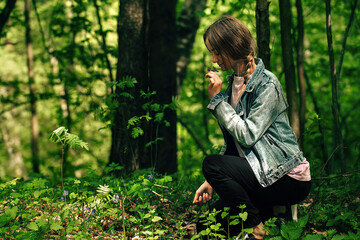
(260, 125)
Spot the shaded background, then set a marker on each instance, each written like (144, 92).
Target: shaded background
(128, 78)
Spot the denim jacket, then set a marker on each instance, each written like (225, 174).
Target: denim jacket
(260, 125)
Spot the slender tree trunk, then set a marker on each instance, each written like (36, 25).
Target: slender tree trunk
(187, 25)
(103, 44)
(323, 147)
(288, 62)
(351, 19)
(263, 31)
(30, 65)
(337, 135)
(5, 13)
(162, 63)
(300, 71)
(132, 61)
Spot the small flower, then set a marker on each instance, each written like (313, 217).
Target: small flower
(66, 192)
(87, 219)
(62, 198)
(150, 176)
(86, 209)
(213, 70)
(93, 212)
(116, 198)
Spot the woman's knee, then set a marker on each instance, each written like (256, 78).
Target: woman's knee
(210, 164)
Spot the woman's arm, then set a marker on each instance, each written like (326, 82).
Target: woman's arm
(264, 109)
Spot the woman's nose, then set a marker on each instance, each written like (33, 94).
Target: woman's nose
(214, 59)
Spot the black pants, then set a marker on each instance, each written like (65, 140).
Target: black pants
(234, 181)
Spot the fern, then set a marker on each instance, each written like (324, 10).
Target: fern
(61, 135)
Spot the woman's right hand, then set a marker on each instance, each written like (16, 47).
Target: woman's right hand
(203, 194)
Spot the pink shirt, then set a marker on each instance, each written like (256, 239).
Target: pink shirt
(301, 172)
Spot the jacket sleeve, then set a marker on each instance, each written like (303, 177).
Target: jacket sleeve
(267, 104)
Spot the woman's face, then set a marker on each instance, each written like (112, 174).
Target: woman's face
(224, 62)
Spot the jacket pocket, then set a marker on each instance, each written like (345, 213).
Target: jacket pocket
(276, 146)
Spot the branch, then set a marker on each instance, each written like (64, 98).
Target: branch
(5, 13)
(192, 134)
(346, 36)
(340, 175)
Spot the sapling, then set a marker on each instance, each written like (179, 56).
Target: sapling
(61, 135)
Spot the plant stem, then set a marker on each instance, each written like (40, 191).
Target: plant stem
(62, 170)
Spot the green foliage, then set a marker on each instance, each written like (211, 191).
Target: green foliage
(61, 135)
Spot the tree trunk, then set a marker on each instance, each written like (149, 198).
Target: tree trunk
(300, 71)
(103, 44)
(338, 149)
(289, 68)
(263, 31)
(187, 25)
(5, 13)
(162, 66)
(30, 65)
(132, 61)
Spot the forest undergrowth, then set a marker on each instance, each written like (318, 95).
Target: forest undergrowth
(147, 205)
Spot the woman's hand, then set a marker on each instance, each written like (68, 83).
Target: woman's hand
(203, 194)
(214, 85)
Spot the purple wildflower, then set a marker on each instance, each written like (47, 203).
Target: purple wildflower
(116, 198)
(150, 176)
(62, 198)
(86, 209)
(66, 192)
(87, 219)
(213, 70)
(93, 212)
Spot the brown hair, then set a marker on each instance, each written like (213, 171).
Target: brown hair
(229, 37)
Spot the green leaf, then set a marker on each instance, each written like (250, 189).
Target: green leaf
(33, 226)
(37, 194)
(11, 212)
(4, 219)
(243, 216)
(156, 219)
(56, 226)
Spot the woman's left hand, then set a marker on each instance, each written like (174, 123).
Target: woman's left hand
(215, 84)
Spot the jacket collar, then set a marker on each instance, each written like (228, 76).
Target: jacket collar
(254, 79)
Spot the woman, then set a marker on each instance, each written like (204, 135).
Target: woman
(260, 164)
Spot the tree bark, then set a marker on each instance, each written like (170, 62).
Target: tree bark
(300, 71)
(187, 25)
(5, 13)
(338, 149)
(289, 68)
(30, 66)
(162, 63)
(263, 31)
(132, 61)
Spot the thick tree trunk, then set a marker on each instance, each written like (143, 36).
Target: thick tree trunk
(5, 13)
(289, 68)
(162, 62)
(338, 148)
(187, 25)
(132, 61)
(263, 31)
(30, 65)
(300, 71)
